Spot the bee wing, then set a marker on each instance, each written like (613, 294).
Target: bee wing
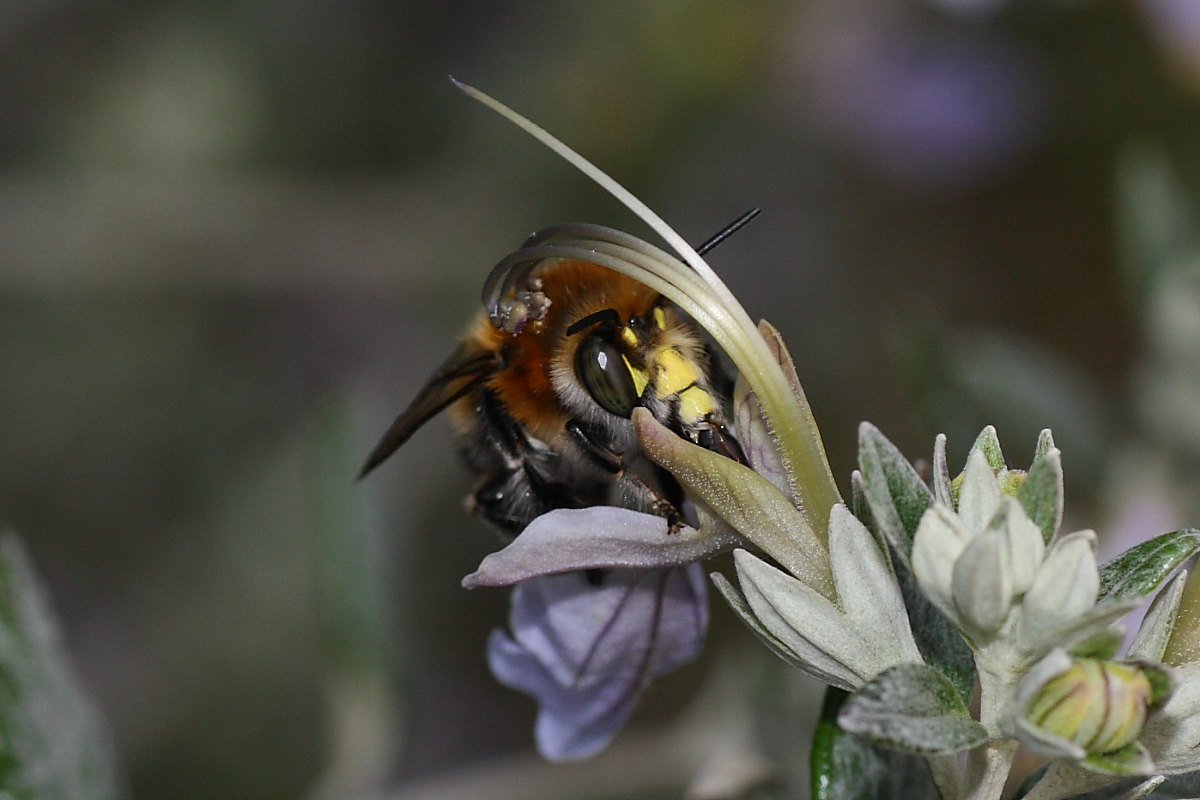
(465, 369)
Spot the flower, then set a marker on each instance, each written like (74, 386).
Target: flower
(585, 655)
(607, 599)
(585, 651)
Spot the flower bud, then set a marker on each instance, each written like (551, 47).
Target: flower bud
(1099, 706)
(1011, 481)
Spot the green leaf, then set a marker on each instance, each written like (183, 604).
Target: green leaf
(896, 498)
(1139, 570)
(52, 743)
(1041, 493)
(847, 767)
(913, 708)
(940, 643)
(894, 491)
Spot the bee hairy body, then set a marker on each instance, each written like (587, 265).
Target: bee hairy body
(541, 409)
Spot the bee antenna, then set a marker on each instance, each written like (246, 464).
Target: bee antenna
(728, 230)
(607, 316)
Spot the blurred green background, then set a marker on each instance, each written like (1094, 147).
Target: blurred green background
(236, 237)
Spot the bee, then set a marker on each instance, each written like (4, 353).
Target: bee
(542, 387)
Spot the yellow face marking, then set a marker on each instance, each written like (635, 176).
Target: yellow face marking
(660, 318)
(629, 337)
(640, 378)
(673, 372)
(694, 405)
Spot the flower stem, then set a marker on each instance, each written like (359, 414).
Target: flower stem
(988, 766)
(987, 770)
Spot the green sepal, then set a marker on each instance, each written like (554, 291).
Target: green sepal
(894, 491)
(940, 477)
(1139, 570)
(1132, 759)
(1102, 646)
(989, 444)
(1045, 444)
(913, 708)
(1041, 493)
(1162, 682)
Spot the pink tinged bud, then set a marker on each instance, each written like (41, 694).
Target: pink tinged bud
(1098, 705)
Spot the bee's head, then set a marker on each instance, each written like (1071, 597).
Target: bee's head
(608, 344)
(622, 346)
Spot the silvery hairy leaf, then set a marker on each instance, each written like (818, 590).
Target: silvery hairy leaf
(939, 542)
(1064, 588)
(1172, 734)
(807, 623)
(742, 608)
(979, 493)
(942, 491)
(1139, 570)
(867, 591)
(983, 583)
(913, 708)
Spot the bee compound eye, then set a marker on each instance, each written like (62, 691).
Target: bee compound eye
(603, 372)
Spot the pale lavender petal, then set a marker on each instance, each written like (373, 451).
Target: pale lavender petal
(584, 651)
(573, 539)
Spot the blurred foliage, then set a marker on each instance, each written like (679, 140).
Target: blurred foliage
(52, 743)
(222, 220)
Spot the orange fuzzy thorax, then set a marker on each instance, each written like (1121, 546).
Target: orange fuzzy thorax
(523, 384)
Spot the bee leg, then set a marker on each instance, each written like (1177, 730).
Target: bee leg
(503, 501)
(605, 458)
(514, 485)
